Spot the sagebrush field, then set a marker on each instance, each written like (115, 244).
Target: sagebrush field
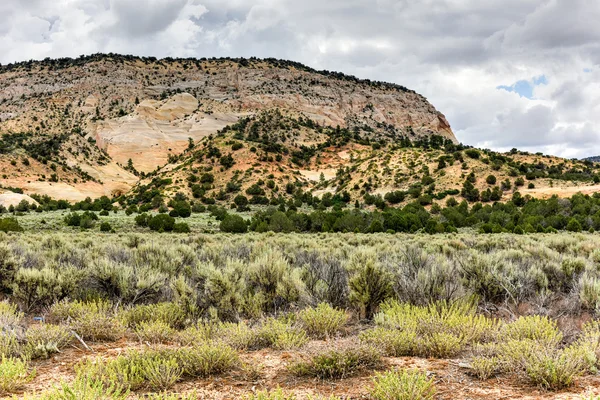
(292, 316)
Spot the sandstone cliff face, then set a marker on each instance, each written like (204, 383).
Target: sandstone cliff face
(107, 110)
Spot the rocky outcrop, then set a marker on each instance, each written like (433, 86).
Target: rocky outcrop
(8, 199)
(121, 108)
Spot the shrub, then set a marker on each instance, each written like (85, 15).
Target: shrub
(485, 367)
(170, 314)
(441, 345)
(10, 317)
(472, 153)
(233, 224)
(391, 342)
(181, 227)
(82, 389)
(38, 288)
(10, 345)
(537, 328)
(199, 333)
(276, 394)
(322, 321)
(154, 332)
(206, 359)
(338, 364)
(124, 372)
(239, 336)
(14, 374)
(553, 372)
(45, 339)
(370, 286)
(161, 223)
(280, 335)
(491, 180)
(279, 394)
(10, 225)
(161, 373)
(272, 284)
(105, 227)
(403, 385)
(442, 329)
(92, 320)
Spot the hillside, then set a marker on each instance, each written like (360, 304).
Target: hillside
(270, 130)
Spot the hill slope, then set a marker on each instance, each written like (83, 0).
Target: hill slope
(81, 121)
(213, 129)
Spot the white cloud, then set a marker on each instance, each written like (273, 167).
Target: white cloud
(455, 52)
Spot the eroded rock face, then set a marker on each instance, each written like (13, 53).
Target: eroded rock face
(8, 199)
(122, 108)
(156, 129)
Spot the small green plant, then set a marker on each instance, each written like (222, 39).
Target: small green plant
(485, 367)
(553, 371)
(338, 364)
(403, 385)
(322, 321)
(206, 359)
(168, 313)
(537, 328)
(154, 332)
(277, 394)
(391, 342)
(14, 374)
(81, 389)
(45, 339)
(161, 373)
(91, 320)
(280, 335)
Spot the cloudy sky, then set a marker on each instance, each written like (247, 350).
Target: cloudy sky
(506, 73)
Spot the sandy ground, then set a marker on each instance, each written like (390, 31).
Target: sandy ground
(269, 371)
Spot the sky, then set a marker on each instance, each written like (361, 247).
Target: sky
(506, 73)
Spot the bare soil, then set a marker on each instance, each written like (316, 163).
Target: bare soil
(267, 369)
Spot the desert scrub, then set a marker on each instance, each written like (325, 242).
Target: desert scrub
(94, 320)
(14, 374)
(171, 396)
(45, 339)
(281, 335)
(81, 389)
(485, 367)
(536, 328)
(370, 284)
(239, 336)
(391, 342)
(440, 330)
(338, 364)
(170, 314)
(158, 369)
(124, 372)
(161, 372)
(10, 320)
(554, 371)
(206, 359)
(322, 321)
(279, 394)
(9, 315)
(403, 385)
(199, 333)
(273, 284)
(530, 347)
(154, 332)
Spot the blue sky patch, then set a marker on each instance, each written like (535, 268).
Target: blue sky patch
(525, 88)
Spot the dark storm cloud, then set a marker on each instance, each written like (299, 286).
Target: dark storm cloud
(455, 52)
